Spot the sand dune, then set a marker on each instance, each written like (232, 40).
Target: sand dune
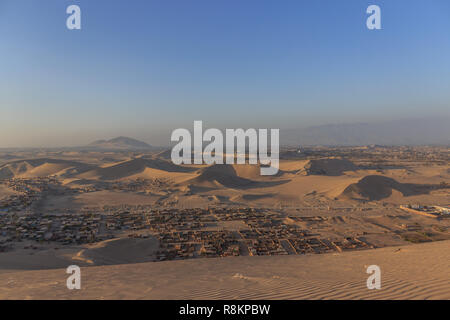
(328, 167)
(298, 181)
(376, 187)
(6, 173)
(5, 191)
(325, 166)
(132, 167)
(120, 268)
(47, 169)
(119, 251)
(150, 173)
(249, 171)
(123, 143)
(41, 168)
(71, 169)
(293, 166)
(166, 154)
(14, 169)
(227, 176)
(219, 175)
(409, 272)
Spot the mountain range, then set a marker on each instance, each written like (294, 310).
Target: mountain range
(432, 131)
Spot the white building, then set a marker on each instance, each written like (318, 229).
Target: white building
(443, 209)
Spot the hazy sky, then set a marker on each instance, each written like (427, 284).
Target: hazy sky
(142, 68)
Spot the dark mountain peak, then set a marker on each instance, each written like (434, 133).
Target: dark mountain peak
(120, 143)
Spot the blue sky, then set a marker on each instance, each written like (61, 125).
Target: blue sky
(142, 68)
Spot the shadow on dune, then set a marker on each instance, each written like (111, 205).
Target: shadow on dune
(41, 167)
(381, 166)
(135, 166)
(376, 187)
(217, 176)
(321, 167)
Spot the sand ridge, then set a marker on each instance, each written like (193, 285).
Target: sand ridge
(299, 182)
(407, 272)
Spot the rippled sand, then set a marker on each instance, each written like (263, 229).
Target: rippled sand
(409, 272)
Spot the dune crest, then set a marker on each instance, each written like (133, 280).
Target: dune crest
(327, 167)
(132, 167)
(377, 187)
(408, 272)
(219, 175)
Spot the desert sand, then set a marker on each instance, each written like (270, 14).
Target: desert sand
(409, 272)
(299, 182)
(352, 197)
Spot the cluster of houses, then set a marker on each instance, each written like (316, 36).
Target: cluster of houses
(429, 211)
(133, 185)
(65, 229)
(373, 153)
(192, 233)
(192, 244)
(27, 192)
(182, 233)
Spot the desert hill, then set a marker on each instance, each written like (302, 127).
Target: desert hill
(422, 131)
(325, 167)
(119, 251)
(6, 173)
(233, 176)
(328, 167)
(133, 167)
(71, 169)
(412, 272)
(166, 154)
(298, 181)
(122, 143)
(219, 175)
(376, 187)
(41, 167)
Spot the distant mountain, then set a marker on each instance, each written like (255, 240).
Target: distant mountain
(123, 143)
(396, 132)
